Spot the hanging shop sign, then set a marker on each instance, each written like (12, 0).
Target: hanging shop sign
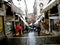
(1, 24)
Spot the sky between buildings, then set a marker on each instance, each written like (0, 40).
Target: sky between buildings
(30, 4)
(21, 5)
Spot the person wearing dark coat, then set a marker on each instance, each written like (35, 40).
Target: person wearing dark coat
(38, 28)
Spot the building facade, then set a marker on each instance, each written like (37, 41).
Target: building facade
(2, 15)
(8, 18)
(51, 11)
(31, 18)
(36, 9)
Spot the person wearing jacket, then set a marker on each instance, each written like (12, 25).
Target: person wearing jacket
(19, 30)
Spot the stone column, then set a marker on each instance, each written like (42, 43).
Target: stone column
(3, 7)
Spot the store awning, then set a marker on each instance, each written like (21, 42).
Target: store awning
(23, 20)
(39, 19)
(50, 5)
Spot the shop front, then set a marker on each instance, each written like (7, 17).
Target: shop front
(52, 14)
(54, 23)
(1, 27)
(9, 27)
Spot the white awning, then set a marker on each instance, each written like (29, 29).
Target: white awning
(50, 5)
(23, 20)
(39, 19)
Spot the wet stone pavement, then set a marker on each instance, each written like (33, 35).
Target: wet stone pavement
(31, 39)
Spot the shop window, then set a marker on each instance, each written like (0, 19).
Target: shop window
(16, 17)
(54, 10)
(52, 24)
(56, 24)
(43, 19)
(8, 28)
(8, 11)
(46, 15)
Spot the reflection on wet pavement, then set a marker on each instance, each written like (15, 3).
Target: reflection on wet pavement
(31, 39)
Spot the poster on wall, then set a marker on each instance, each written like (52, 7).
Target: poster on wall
(1, 24)
(8, 27)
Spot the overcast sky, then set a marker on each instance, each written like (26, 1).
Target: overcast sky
(21, 4)
(30, 4)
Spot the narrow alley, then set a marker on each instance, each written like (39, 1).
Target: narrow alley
(29, 22)
(32, 39)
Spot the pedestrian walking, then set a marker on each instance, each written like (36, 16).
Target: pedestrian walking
(19, 30)
(38, 29)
